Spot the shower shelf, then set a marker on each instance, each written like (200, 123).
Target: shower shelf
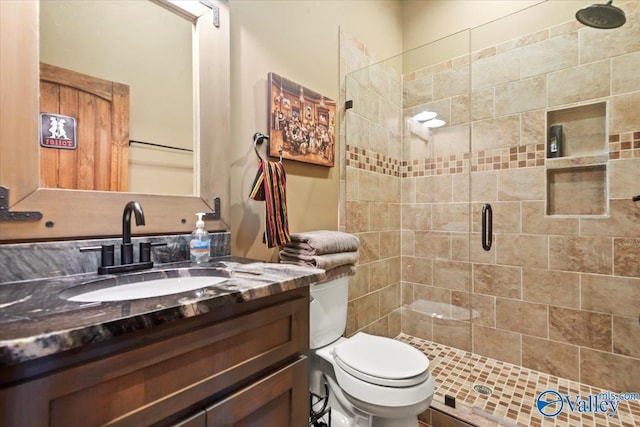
(579, 161)
(577, 181)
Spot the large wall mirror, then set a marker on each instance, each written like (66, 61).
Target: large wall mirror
(149, 50)
(172, 58)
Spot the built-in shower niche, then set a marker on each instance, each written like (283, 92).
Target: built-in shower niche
(584, 130)
(577, 191)
(577, 180)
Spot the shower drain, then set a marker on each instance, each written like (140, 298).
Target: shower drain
(482, 389)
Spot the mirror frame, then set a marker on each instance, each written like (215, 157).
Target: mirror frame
(71, 214)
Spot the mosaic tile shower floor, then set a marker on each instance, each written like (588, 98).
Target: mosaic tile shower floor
(514, 391)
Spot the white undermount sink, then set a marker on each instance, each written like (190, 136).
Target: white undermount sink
(144, 289)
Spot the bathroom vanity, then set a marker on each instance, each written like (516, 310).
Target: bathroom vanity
(230, 354)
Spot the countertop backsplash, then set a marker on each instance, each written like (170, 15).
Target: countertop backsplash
(29, 261)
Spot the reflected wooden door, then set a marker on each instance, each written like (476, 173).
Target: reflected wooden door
(101, 110)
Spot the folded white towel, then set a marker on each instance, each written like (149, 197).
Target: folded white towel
(322, 242)
(325, 262)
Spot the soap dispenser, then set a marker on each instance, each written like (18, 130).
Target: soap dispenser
(554, 143)
(200, 244)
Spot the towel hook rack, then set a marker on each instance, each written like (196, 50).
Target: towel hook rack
(258, 139)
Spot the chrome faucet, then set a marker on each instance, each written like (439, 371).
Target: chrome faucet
(126, 255)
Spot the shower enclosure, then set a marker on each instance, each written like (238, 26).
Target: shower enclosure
(490, 177)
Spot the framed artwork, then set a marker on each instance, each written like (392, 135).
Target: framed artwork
(301, 123)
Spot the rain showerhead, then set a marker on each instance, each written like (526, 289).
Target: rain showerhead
(602, 16)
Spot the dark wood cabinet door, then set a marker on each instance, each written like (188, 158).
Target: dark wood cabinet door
(196, 420)
(181, 369)
(279, 399)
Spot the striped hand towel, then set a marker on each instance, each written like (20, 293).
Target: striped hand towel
(270, 186)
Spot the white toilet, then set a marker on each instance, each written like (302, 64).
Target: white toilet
(372, 381)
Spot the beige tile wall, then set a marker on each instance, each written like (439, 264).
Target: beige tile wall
(370, 202)
(559, 293)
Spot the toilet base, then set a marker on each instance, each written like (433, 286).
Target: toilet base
(381, 420)
(338, 419)
(345, 414)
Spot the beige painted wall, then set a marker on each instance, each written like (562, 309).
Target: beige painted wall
(299, 41)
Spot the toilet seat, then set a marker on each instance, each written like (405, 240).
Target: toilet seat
(381, 361)
(367, 393)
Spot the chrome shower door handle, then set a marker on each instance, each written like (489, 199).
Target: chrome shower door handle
(487, 226)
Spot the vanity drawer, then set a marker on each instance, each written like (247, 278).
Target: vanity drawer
(279, 399)
(152, 383)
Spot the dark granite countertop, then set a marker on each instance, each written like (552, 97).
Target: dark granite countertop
(36, 320)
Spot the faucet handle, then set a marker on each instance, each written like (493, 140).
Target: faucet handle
(145, 250)
(107, 254)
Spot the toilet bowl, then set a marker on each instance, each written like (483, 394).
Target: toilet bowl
(372, 381)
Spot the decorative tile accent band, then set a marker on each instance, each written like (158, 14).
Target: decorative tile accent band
(508, 158)
(621, 146)
(368, 160)
(624, 145)
(484, 160)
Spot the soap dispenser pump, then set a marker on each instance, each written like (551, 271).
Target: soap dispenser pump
(200, 244)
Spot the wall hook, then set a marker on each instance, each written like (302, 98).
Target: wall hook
(258, 139)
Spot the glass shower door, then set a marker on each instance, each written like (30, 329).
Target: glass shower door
(435, 206)
(407, 193)
(553, 117)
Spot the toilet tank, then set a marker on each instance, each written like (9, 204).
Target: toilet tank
(328, 311)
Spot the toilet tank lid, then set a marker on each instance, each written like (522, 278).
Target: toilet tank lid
(382, 357)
